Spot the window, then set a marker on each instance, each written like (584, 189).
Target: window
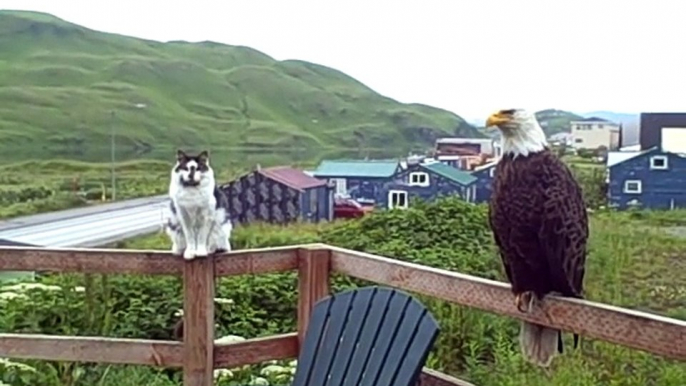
(632, 186)
(397, 199)
(578, 140)
(341, 186)
(658, 162)
(419, 179)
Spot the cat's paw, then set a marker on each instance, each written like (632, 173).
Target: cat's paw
(189, 254)
(177, 250)
(201, 252)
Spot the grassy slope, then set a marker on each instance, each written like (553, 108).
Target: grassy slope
(555, 121)
(59, 83)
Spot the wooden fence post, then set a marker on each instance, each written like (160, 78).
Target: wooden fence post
(198, 315)
(313, 284)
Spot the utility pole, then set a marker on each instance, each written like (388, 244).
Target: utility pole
(113, 144)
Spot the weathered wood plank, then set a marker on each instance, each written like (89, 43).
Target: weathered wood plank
(257, 350)
(113, 261)
(91, 349)
(430, 377)
(257, 261)
(143, 262)
(313, 283)
(198, 319)
(652, 333)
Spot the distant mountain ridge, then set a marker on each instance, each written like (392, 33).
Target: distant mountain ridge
(65, 85)
(555, 121)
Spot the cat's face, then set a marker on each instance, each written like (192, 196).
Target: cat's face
(191, 170)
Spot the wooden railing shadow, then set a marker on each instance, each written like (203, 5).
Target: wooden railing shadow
(198, 355)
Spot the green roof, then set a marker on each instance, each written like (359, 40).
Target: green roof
(450, 173)
(356, 168)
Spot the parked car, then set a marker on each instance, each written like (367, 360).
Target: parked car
(347, 208)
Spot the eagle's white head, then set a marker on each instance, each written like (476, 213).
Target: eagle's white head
(521, 133)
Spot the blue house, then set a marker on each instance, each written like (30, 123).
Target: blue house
(484, 181)
(426, 182)
(279, 195)
(360, 179)
(652, 179)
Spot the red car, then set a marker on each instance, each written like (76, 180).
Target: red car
(346, 208)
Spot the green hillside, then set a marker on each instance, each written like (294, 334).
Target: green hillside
(60, 83)
(556, 121)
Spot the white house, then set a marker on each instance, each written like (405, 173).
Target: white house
(592, 133)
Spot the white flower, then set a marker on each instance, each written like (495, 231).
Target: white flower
(223, 374)
(259, 381)
(224, 301)
(79, 289)
(11, 295)
(229, 339)
(273, 369)
(19, 366)
(178, 313)
(20, 287)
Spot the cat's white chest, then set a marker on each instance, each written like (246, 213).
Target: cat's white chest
(195, 198)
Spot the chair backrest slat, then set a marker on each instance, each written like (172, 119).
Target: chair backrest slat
(366, 337)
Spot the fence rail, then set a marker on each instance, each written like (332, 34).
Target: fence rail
(198, 355)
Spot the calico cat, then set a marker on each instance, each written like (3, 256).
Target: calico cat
(198, 224)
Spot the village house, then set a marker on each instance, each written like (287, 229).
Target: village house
(484, 174)
(654, 176)
(425, 181)
(653, 179)
(595, 133)
(358, 179)
(279, 195)
(462, 153)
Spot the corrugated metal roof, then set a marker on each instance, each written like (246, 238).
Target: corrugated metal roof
(617, 157)
(485, 166)
(593, 119)
(451, 173)
(11, 243)
(294, 178)
(356, 168)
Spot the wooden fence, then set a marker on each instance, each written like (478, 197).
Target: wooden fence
(199, 356)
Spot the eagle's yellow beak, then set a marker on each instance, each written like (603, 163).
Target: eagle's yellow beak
(497, 119)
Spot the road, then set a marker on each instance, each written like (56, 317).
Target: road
(90, 226)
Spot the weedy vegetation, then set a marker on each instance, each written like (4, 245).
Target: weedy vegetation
(633, 263)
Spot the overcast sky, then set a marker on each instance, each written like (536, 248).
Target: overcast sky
(470, 57)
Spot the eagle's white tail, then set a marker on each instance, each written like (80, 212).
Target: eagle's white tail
(538, 343)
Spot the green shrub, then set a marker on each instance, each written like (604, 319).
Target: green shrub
(627, 266)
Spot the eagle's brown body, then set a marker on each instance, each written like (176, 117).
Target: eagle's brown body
(540, 224)
(539, 220)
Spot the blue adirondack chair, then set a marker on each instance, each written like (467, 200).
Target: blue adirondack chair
(372, 336)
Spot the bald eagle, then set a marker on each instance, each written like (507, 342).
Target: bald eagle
(540, 225)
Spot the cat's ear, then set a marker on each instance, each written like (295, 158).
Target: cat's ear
(180, 155)
(204, 156)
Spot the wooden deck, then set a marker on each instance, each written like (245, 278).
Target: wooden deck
(199, 356)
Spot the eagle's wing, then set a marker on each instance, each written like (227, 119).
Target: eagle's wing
(498, 241)
(564, 230)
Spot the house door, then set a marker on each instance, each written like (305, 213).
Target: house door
(341, 186)
(397, 199)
